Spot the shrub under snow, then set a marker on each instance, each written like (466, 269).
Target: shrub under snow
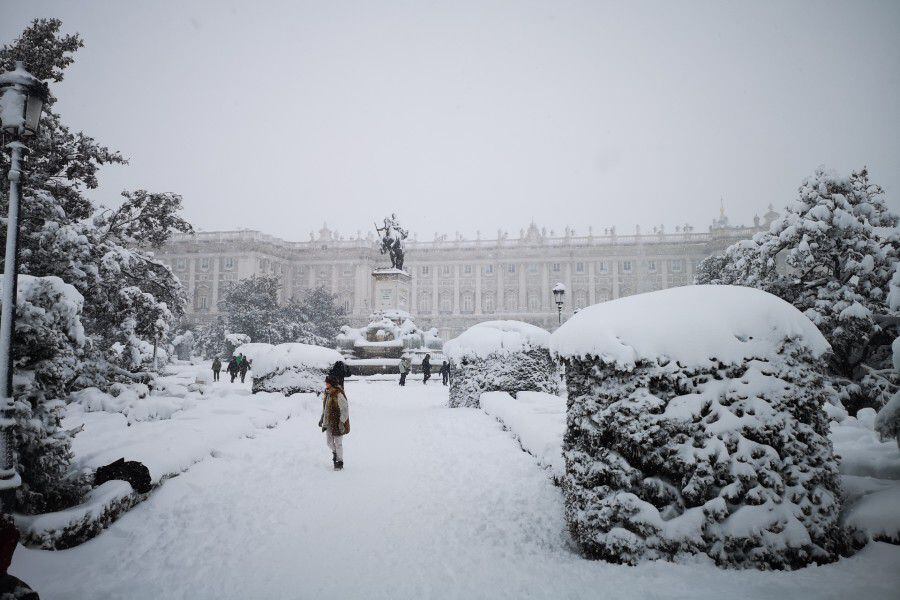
(500, 356)
(695, 426)
(293, 368)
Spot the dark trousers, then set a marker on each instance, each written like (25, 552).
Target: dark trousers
(446, 377)
(243, 374)
(215, 375)
(402, 378)
(233, 374)
(426, 376)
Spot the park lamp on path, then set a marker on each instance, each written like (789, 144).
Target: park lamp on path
(559, 295)
(22, 98)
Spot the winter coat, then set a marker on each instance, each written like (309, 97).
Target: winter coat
(245, 364)
(426, 365)
(232, 365)
(335, 412)
(445, 368)
(217, 365)
(405, 364)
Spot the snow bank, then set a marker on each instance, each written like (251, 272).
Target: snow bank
(253, 351)
(537, 420)
(496, 338)
(698, 324)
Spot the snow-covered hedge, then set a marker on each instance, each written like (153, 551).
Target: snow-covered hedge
(695, 426)
(293, 368)
(500, 356)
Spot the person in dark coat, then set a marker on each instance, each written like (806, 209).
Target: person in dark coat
(445, 372)
(335, 421)
(232, 368)
(339, 371)
(243, 365)
(216, 366)
(426, 368)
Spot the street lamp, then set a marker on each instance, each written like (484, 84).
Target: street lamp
(22, 97)
(559, 294)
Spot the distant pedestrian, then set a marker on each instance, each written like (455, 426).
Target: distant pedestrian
(216, 366)
(445, 372)
(426, 368)
(405, 368)
(339, 371)
(243, 365)
(335, 421)
(232, 368)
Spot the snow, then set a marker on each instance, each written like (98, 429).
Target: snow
(286, 356)
(433, 502)
(537, 420)
(878, 513)
(696, 323)
(190, 429)
(496, 338)
(252, 351)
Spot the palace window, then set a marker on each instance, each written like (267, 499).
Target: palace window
(626, 266)
(445, 303)
(228, 263)
(556, 267)
(424, 302)
(581, 299)
(467, 269)
(204, 303)
(487, 303)
(488, 269)
(445, 270)
(677, 266)
(511, 268)
(579, 267)
(180, 264)
(468, 303)
(603, 267)
(651, 266)
(534, 302)
(511, 302)
(532, 268)
(204, 263)
(425, 270)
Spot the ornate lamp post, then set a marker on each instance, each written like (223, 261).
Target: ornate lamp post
(559, 295)
(22, 97)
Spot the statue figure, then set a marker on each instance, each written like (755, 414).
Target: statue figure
(392, 236)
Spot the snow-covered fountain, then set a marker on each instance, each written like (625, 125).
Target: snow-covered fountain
(696, 427)
(500, 356)
(379, 346)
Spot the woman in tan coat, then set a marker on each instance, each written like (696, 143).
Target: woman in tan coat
(335, 421)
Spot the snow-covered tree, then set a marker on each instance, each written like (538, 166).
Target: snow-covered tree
(129, 299)
(887, 422)
(831, 255)
(50, 345)
(251, 307)
(705, 435)
(500, 356)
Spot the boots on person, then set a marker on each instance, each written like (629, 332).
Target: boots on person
(338, 465)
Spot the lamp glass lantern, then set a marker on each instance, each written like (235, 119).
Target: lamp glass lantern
(559, 295)
(22, 98)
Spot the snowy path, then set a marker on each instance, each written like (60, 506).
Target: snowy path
(433, 503)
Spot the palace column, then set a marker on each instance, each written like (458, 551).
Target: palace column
(523, 301)
(456, 289)
(592, 283)
(615, 278)
(414, 292)
(663, 267)
(545, 287)
(477, 268)
(434, 290)
(500, 301)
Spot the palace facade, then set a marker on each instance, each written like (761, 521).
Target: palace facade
(455, 283)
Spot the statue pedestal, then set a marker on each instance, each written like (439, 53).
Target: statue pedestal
(391, 289)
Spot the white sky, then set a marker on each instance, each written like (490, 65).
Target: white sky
(480, 115)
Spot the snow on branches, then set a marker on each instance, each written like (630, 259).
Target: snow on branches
(831, 255)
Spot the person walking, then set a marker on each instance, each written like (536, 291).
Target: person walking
(243, 365)
(426, 368)
(445, 373)
(217, 366)
(335, 421)
(232, 368)
(405, 368)
(340, 371)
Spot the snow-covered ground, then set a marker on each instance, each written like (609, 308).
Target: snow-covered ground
(433, 503)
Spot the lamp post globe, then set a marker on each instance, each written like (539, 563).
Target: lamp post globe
(559, 295)
(22, 98)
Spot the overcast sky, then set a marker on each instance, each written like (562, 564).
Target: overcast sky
(480, 115)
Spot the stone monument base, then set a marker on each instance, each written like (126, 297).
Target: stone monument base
(391, 289)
